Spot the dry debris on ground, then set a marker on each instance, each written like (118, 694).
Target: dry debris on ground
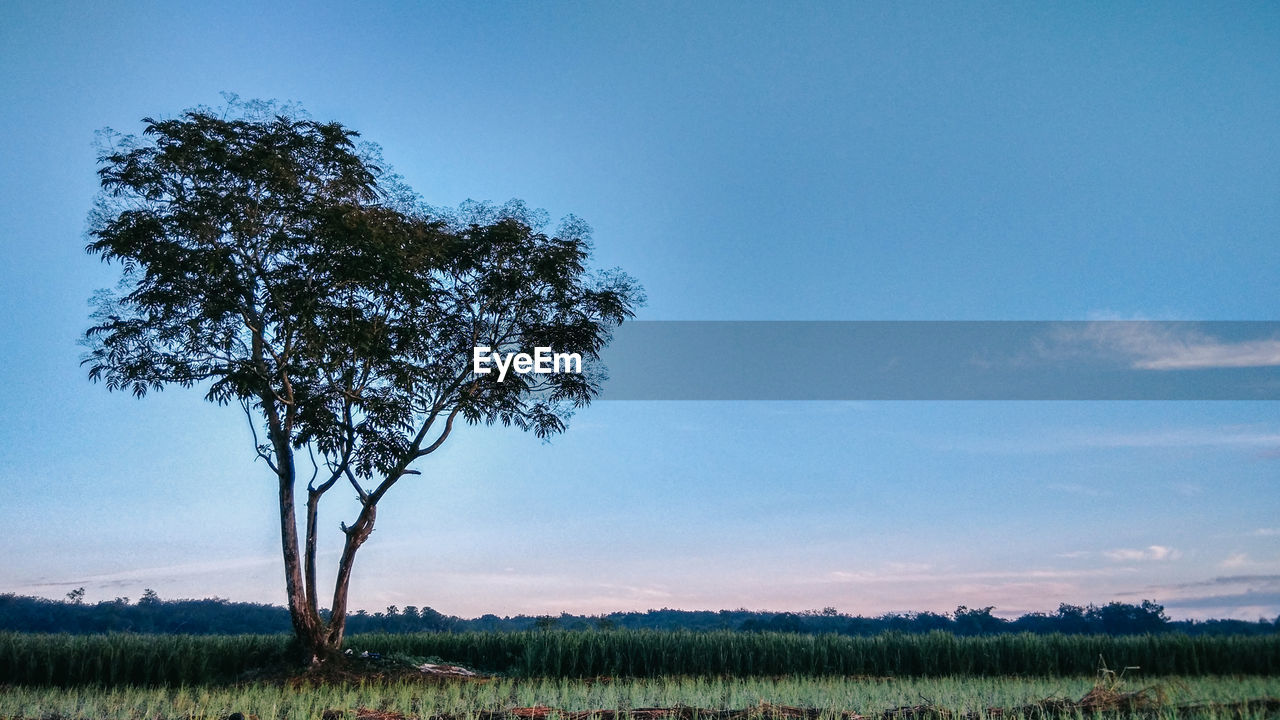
(1141, 703)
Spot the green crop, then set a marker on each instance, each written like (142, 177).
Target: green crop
(172, 660)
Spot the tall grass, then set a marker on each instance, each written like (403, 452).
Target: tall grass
(466, 700)
(158, 660)
(127, 659)
(646, 653)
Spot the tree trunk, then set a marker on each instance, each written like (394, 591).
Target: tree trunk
(356, 535)
(304, 615)
(313, 515)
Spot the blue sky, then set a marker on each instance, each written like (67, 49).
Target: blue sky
(746, 161)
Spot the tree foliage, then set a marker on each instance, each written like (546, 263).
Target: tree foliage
(272, 260)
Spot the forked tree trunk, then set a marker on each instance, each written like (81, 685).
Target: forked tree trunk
(321, 640)
(303, 614)
(356, 536)
(318, 640)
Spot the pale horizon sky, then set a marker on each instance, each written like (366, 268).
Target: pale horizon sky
(744, 161)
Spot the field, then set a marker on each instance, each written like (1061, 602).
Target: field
(469, 700)
(553, 675)
(31, 659)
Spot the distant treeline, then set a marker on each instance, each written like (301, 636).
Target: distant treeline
(150, 614)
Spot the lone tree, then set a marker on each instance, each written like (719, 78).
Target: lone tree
(269, 258)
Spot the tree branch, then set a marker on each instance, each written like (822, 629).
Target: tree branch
(257, 446)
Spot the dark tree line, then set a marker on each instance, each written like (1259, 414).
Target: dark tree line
(150, 614)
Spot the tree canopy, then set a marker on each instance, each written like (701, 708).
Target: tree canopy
(274, 261)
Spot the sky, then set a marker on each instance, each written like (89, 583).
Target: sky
(744, 161)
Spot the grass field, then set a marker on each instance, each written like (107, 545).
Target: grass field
(170, 660)
(549, 673)
(468, 699)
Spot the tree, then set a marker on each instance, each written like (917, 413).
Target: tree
(1117, 618)
(976, 621)
(271, 260)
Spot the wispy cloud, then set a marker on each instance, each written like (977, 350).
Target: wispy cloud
(1012, 590)
(1239, 596)
(1188, 437)
(1256, 581)
(513, 590)
(924, 575)
(1235, 560)
(1253, 602)
(1167, 346)
(1267, 532)
(135, 576)
(1152, 553)
(1261, 442)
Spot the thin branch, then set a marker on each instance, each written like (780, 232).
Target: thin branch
(448, 428)
(414, 454)
(257, 446)
(315, 469)
(337, 468)
(364, 495)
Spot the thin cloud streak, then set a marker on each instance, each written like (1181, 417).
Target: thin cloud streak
(1262, 442)
(1240, 596)
(125, 577)
(874, 577)
(1153, 553)
(1162, 346)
